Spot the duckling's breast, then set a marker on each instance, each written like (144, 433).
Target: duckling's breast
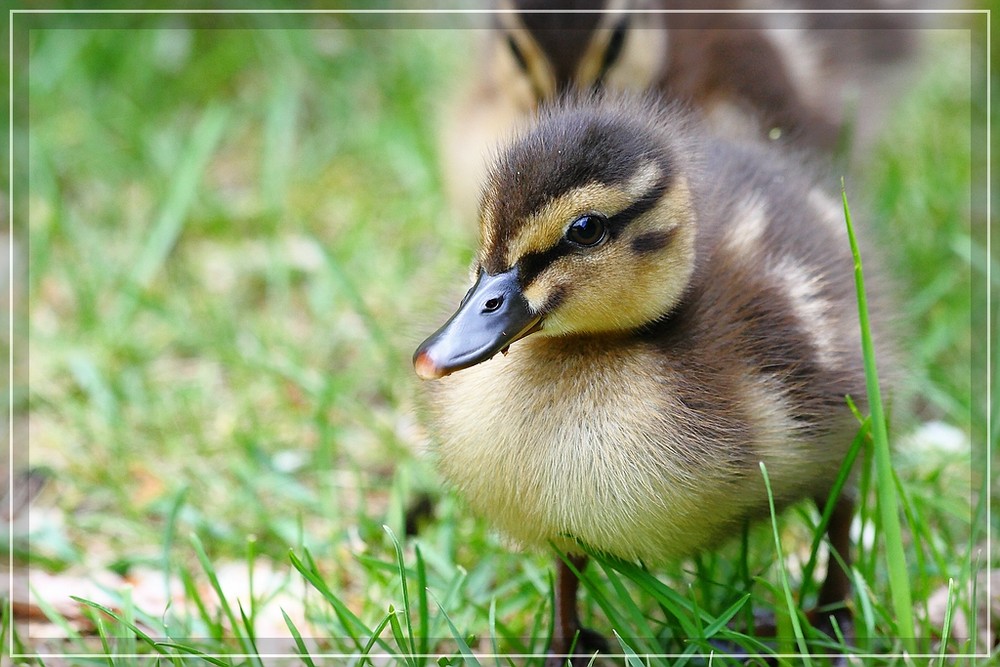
(619, 445)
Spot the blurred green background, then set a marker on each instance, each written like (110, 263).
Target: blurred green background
(236, 235)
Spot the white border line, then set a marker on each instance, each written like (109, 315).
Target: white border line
(496, 11)
(10, 226)
(10, 317)
(989, 323)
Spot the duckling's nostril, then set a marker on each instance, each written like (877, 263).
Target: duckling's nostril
(492, 304)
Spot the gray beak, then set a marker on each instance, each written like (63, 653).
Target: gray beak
(492, 315)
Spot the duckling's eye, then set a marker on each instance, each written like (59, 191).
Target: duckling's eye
(587, 230)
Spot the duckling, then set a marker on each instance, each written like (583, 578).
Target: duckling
(814, 82)
(672, 310)
(728, 65)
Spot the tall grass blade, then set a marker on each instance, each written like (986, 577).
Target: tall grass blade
(450, 595)
(411, 643)
(789, 601)
(633, 616)
(885, 489)
(191, 593)
(863, 595)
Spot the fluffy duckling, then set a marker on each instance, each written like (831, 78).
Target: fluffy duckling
(817, 82)
(673, 310)
(748, 81)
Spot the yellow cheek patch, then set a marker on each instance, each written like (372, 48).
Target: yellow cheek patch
(616, 288)
(672, 210)
(542, 288)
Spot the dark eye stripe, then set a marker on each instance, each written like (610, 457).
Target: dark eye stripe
(640, 206)
(532, 264)
(652, 242)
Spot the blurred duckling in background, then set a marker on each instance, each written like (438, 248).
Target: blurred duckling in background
(815, 82)
(673, 310)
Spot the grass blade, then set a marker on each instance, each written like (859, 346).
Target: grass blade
(946, 629)
(423, 609)
(899, 581)
(191, 593)
(213, 579)
(726, 616)
(169, 531)
(831, 501)
(299, 644)
(118, 617)
(190, 650)
(376, 633)
(679, 607)
(493, 630)
(406, 593)
(463, 646)
(632, 615)
(631, 658)
(102, 632)
(402, 641)
(789, 601)
(352, 624)
(865, 602)
(248, 624)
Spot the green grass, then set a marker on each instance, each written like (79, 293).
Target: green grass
(238, 236)
(885, 492)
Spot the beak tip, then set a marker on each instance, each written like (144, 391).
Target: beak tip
(426, 368)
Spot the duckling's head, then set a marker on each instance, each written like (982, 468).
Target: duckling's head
(588, 45)
(586, 228)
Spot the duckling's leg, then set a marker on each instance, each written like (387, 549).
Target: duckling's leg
(567, 633)
(836, 589)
